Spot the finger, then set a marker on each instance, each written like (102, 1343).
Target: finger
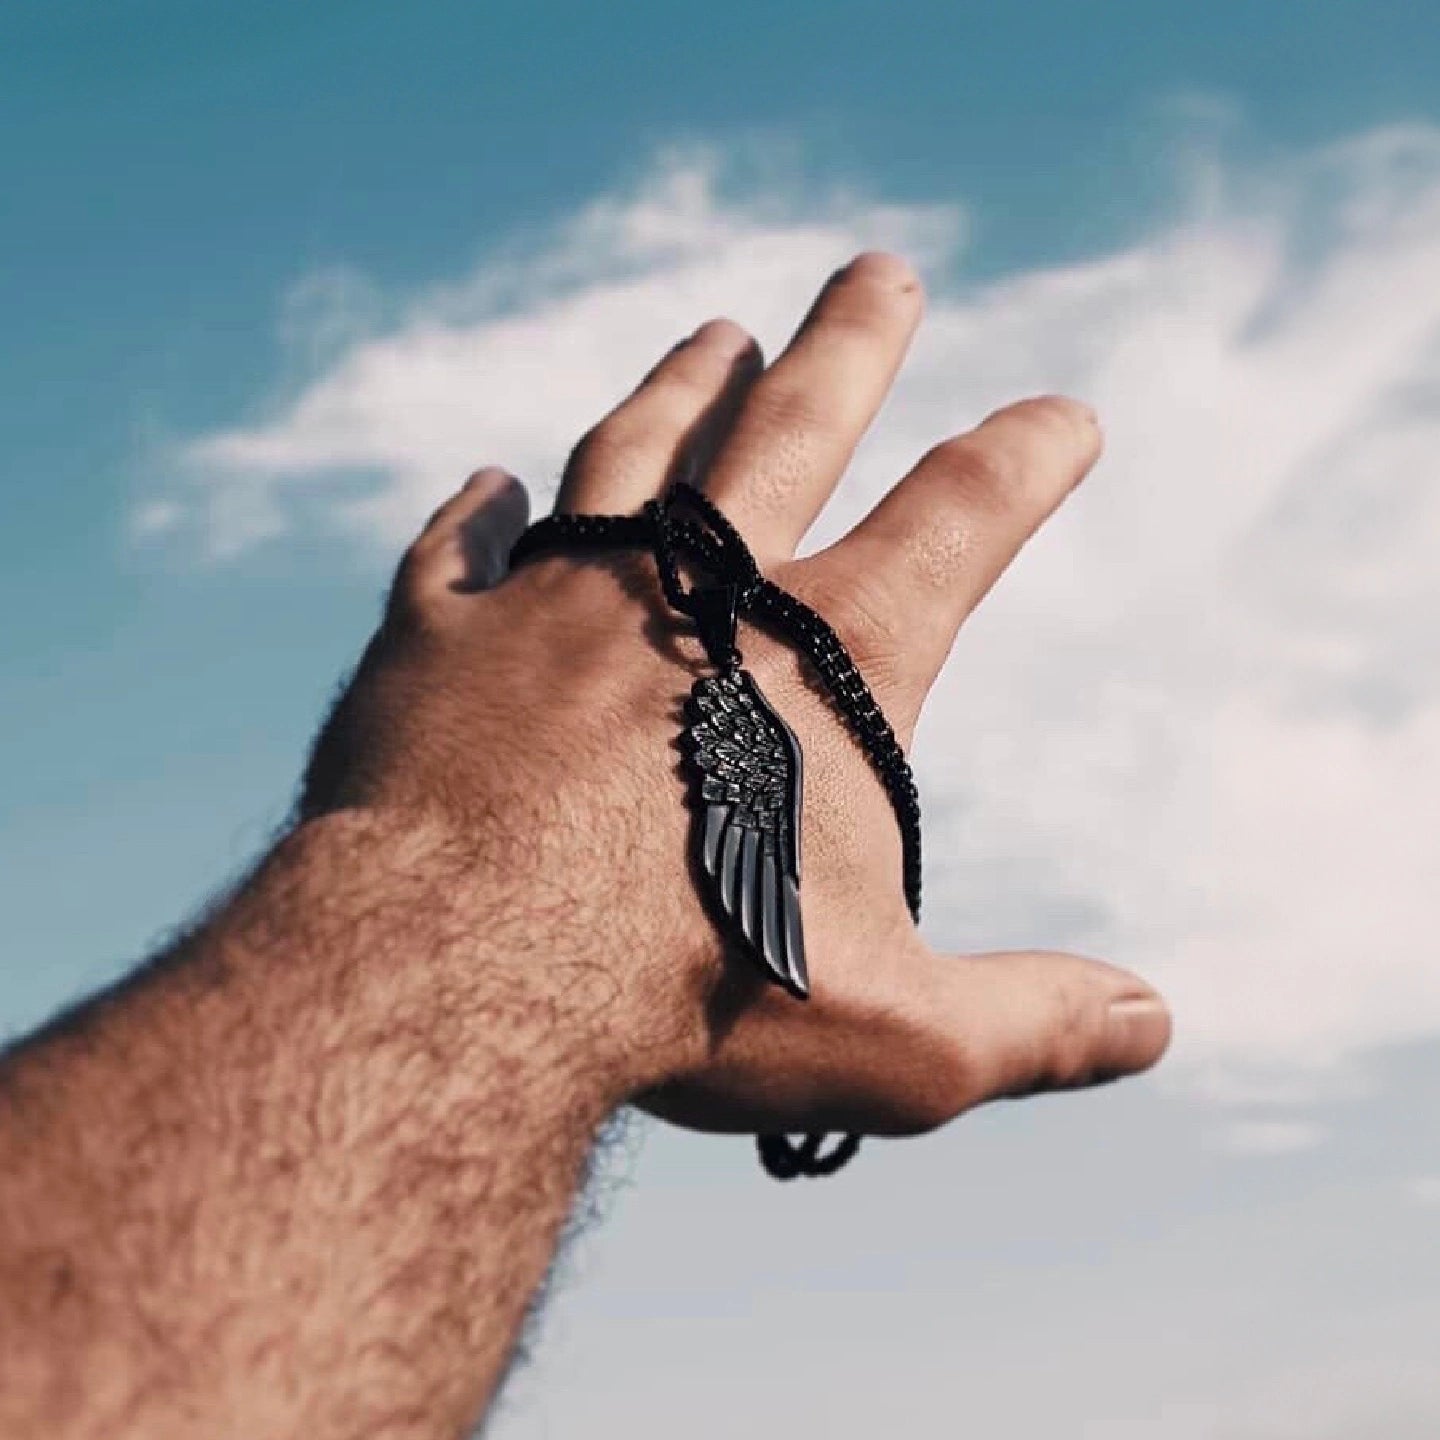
(926, 555)
(677, 409)
(1034, 1021)
(802, 420)
(465, 545)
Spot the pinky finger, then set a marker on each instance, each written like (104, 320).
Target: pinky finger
(465, 546)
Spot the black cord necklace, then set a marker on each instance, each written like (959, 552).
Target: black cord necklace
(746, 760)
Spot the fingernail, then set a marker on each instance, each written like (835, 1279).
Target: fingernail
(1137, 1032)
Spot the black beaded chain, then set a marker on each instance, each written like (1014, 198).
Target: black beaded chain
(708, 540)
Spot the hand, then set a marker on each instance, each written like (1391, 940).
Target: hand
(302, 1172)
(533, 719)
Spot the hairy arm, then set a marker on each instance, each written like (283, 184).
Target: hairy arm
(302, 1178)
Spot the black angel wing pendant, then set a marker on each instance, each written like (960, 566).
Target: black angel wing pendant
(750, 781)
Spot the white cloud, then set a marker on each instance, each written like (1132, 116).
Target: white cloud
(1199, 728)
(1271, 1137)
(155, 517)
(1425, 1190)
(512, 364)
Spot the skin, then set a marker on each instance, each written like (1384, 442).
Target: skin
(301, 1175)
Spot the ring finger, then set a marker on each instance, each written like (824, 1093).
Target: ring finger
(679, 409)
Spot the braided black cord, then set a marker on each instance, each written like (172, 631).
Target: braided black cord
(714, 544)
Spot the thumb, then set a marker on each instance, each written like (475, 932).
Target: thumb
(1038, 1020)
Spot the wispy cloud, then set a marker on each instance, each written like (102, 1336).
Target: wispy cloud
(1425, 1190)
(1199, 728)
(1272, 1137)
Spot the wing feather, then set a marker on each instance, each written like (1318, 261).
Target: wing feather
(794, 934)
(772, 921)
(730, 865)
(748, 765)
(749, 898)
(715, 819)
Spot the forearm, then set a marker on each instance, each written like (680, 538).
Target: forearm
(304, 1175)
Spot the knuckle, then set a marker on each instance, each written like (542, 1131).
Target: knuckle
(419, 590)
(609, 449)
(1070, 1058)
(974, 476)
(784, 409)
(580, 454)
(690, 375)
(408, 601)
(864, 615)
(688, 385)
(412, 567)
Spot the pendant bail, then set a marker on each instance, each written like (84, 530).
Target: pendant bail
(715, 609)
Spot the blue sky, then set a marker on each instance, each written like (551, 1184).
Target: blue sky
(175, 169)
(1207, 708)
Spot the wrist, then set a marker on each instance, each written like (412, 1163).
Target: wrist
(506, 960)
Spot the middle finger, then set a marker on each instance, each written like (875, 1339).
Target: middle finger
(800, 423)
